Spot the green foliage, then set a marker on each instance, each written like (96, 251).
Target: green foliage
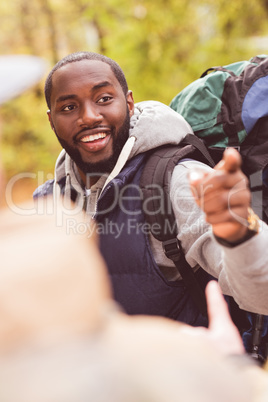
(28, 144)
(162, 45)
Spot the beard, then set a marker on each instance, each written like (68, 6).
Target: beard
(105, 165)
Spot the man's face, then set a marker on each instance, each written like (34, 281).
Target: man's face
(90, 114)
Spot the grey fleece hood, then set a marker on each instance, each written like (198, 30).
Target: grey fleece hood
(152, 124)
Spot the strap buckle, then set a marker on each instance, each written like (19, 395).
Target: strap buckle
(172, 249)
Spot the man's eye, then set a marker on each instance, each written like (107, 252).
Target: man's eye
(68, 108)
(104, 99)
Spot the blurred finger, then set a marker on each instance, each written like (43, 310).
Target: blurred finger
(218, 312)
(230, 162)
(221, 327)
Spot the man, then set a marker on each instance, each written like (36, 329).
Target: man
(106, 139)
(63, 338)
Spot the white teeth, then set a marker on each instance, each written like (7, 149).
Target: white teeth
(90, 138)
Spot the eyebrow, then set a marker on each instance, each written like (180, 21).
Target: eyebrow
(102, 84)
(63, 98)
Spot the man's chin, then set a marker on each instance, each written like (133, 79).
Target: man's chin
(98, 167)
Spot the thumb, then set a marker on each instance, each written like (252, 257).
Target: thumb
(230, 162)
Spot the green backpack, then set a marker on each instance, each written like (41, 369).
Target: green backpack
(222, 107)
(229, 108)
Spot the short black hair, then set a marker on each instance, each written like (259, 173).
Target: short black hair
(78, 56)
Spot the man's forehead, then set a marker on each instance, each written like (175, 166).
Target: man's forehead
(91, 69)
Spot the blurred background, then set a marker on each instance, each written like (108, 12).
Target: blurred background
(162, 45)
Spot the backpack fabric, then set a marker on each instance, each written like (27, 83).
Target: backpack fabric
(222, 107)
(228, 108)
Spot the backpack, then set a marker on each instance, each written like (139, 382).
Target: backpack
(227, 107)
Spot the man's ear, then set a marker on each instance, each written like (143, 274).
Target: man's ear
(130, 103)
(50, 120)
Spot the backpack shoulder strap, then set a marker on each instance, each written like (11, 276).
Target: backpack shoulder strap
(155, 182)
(155, 185)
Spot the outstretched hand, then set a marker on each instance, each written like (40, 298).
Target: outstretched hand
(224, 196)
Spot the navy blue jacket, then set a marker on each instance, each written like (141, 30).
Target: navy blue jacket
(138, 283)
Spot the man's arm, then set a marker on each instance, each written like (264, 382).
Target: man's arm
(242, 270)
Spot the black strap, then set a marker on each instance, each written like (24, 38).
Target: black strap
(155, 183)
(218, 68)
(156, 175)
(174, 252)
(201, 147)
(258, 325)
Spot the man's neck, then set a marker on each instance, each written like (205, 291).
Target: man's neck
(87, 179)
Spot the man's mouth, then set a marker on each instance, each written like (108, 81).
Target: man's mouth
(95, 141)
(93, 137)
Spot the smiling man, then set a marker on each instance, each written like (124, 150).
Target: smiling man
(106, 139)
(90, 113)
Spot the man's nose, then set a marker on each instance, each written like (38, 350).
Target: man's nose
(89, 115)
